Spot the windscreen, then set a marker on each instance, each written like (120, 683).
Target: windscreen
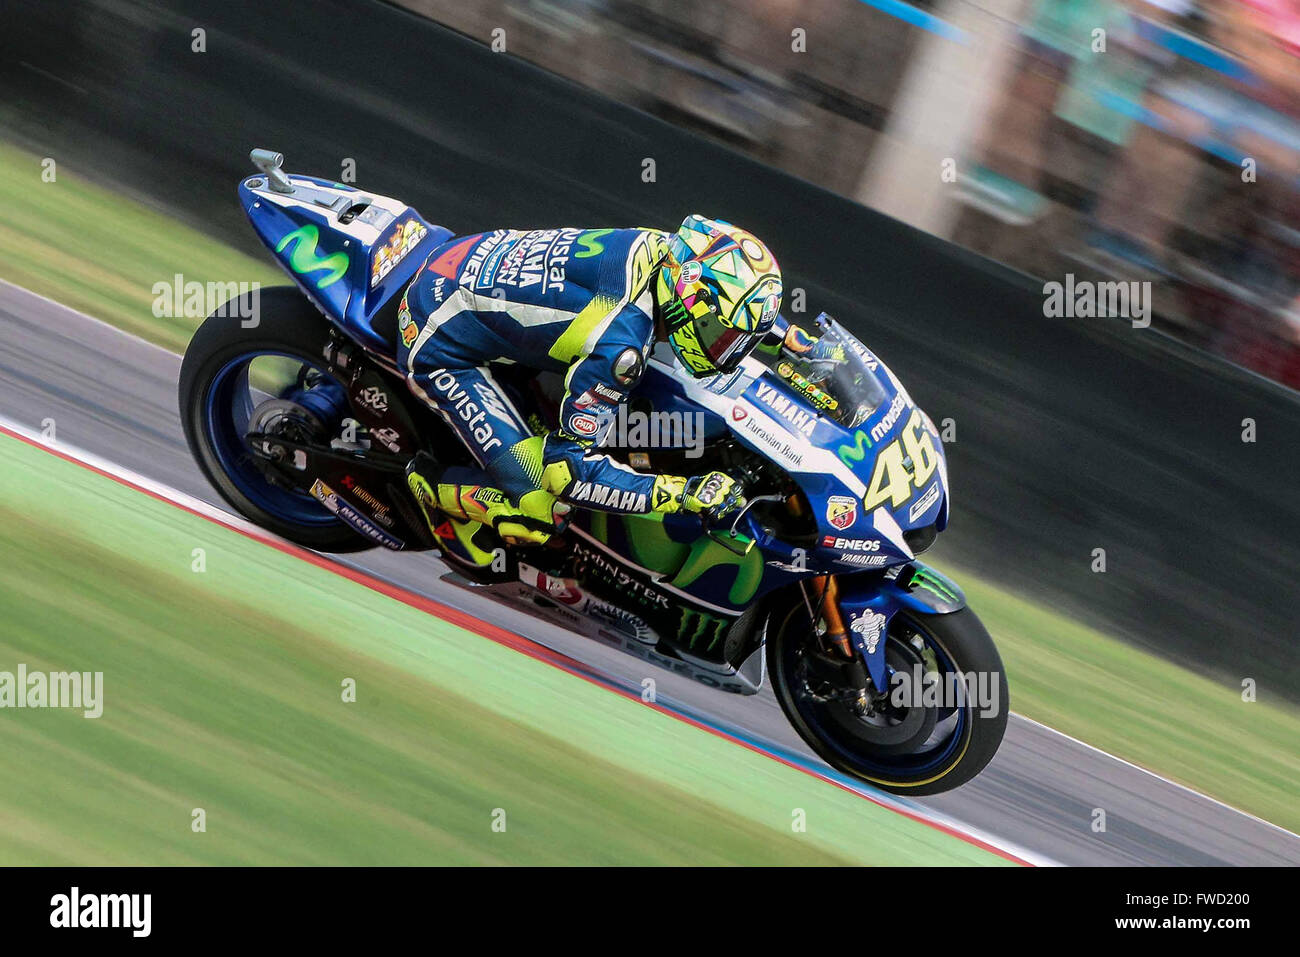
(839, 378)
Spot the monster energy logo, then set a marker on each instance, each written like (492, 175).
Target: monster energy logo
(304, 259)
(933, 583)
(855, 453)
(697, 627)
(675, 313)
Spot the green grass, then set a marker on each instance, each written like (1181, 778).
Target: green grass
(223, 691)
(101, 253)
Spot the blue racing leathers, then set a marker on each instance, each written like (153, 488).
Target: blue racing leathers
(574, 301)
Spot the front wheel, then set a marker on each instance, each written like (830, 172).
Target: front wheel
(940, 722)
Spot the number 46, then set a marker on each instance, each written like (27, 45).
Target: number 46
(891, 480)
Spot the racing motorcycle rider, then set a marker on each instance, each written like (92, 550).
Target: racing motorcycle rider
(589, 304)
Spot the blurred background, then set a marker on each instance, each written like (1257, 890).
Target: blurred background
(1149, 141)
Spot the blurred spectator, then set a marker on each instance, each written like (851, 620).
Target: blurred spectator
(1207, 194)
(1052, 103)
(1114, 146)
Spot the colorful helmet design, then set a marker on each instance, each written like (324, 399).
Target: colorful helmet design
(720, 291)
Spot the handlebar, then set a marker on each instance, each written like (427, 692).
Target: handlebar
(730, 538)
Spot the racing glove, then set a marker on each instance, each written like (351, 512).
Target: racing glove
(712, 495)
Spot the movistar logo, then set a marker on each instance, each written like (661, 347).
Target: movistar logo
(855, 452)
(303, 259)
(591, 244)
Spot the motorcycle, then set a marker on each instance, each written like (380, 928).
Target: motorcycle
(302, 421)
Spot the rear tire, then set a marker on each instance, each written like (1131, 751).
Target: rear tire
(961, 639)
(287, 325)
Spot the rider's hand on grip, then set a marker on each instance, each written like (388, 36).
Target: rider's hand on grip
(712, 495)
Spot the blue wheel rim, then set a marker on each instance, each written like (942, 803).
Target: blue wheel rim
(228, 409)
(909, 766)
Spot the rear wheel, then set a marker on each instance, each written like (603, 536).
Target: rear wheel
(931, 732)
(268, 378)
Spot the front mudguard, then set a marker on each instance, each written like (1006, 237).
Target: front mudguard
(869, 602)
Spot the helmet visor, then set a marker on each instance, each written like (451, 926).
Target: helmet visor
(724, 344)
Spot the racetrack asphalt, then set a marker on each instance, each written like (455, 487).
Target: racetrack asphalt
(115, 396)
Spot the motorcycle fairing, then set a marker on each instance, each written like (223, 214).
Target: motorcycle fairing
(868, 604)
(350, 252)
(819, 452)
(848, 537)
(681, 557)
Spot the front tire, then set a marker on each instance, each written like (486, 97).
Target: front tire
(214, 415)
(909, 750)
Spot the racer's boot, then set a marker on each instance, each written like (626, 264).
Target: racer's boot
(446, 516)
(457, 507)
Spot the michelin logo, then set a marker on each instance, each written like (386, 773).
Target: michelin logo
(869, 625)
(327, 497)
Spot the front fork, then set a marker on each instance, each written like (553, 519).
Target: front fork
(822, 595)
(825, 600)
(856, 611)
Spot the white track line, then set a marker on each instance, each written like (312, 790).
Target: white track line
(86, 317)
(231, 519)
(1153, 774)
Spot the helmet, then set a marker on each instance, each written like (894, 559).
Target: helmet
(719, 292)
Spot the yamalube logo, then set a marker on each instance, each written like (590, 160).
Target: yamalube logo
(75, 909)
